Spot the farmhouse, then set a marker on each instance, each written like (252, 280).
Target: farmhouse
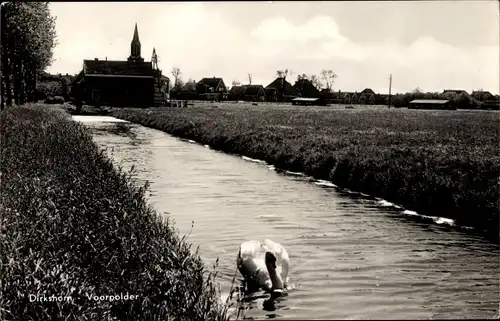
(254, 93)
(133, 82)
(431, 104)
(305, 88)
(236, 93)
(211, 89)
(284, 90)
(271, 94)
(486, 99)
(482, 95)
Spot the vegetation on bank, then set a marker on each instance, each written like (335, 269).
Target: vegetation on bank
(54, 89)
(434, 162)
(73, 225)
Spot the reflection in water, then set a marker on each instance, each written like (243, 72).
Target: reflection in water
(352, 256)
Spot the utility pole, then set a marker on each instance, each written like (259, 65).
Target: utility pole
(390, 85)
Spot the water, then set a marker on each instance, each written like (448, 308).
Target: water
(352, 257)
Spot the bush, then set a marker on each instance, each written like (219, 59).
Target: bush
(72, 225)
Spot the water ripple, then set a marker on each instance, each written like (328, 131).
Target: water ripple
(353, 256)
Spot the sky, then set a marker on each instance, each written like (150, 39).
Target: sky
(431, 45)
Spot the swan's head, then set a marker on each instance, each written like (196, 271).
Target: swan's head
(270, 260)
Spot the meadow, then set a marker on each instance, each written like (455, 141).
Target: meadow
(440, 163)
(74, 226)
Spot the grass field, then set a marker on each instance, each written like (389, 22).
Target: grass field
(74, 226)
(442, 163)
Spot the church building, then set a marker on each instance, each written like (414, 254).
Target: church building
(130, 83)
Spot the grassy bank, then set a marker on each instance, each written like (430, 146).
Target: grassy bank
(434, 162)
(73, 225)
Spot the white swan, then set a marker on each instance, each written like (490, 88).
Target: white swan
(266, 264)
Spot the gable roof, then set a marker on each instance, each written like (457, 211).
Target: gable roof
(212, 82)
(481, 93)
(253, 89)
(429, 101)
(236, 90)
(279, 83)
(306, 88)
(367, 91)
(116, 67)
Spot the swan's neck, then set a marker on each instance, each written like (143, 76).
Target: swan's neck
(275, 277)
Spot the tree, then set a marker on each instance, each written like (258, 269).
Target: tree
(316, 81)
(190, 85)
(176, 72)
(301, 77)
(249, 79)
(328, 77)
(28, 40)
(235, 83)
(283, 73)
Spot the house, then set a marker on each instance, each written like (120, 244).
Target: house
(382, 99)
(133, 82)
(211, 89)
(271, 94)
(254, 93)
(284, 90)
(487, 100)
(305, 88)
(236, 93)
(431, 104)
(329, 97)
(482, 95)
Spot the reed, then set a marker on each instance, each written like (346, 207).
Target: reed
(73, 225)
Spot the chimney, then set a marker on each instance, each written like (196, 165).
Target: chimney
(95, 59)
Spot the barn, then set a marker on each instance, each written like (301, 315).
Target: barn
(431, 104)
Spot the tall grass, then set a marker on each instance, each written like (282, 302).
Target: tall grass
(74, 225)
(434, 162)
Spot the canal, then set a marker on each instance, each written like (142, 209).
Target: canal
(352, 256)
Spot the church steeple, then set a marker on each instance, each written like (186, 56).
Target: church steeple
(135, 47)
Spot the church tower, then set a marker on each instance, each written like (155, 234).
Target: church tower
(135, 47)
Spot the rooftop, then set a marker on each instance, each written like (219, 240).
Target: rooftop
(304, 99)
(429, 101)
(116, 67)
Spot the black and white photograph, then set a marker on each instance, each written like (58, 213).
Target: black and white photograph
(250, 160)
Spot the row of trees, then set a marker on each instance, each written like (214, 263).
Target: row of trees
(28, 39)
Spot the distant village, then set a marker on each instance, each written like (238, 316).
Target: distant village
(305, 92)
(135, 82)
